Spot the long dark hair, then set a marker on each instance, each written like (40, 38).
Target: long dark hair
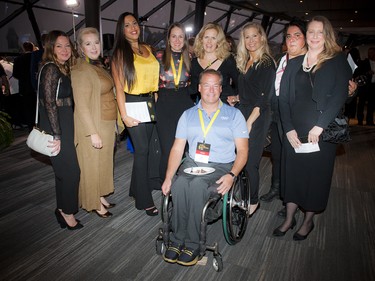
(49, 54)
(123, 55)
(168, 52)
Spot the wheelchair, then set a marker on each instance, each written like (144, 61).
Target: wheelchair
(233, 208)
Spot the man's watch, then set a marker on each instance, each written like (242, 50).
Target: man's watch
(230, 173)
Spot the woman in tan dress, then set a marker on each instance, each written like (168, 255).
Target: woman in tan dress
(94, 119)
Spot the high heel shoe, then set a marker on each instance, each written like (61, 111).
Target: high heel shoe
(105, 215)
(256, 209)
(64, 224)
(109, 206)
(278, 233)
(152, 211)
(299, 237)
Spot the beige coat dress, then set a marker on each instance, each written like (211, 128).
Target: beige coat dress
(94, 113)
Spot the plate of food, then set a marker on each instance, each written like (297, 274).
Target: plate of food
(199, 171)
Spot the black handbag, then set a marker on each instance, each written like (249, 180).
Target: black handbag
(338, 130)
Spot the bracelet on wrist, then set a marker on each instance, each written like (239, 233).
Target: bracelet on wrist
(233, 175)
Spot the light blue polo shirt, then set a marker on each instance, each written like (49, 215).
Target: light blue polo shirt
(229, 125)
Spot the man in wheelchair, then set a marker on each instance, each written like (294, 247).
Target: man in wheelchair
(218, 147)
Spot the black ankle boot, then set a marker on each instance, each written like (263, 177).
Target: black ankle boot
(272, 194)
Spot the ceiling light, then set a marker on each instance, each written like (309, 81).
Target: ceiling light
(188, 29)
(72, 3)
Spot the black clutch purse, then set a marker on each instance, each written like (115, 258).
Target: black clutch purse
(338, 130)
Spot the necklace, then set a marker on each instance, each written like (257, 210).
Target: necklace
(305, 65)
(138, 50)
(211, 63)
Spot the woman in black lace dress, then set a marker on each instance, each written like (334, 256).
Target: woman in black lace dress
(173, 96)
(56, 118)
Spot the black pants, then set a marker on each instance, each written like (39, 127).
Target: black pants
(256, 144)
(169, 107)
(276, 153)
(141, 185)
(65, 165)
(366, 95)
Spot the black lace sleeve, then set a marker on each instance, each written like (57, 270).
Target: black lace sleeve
(49, 80)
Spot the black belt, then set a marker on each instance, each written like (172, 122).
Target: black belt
(149, 94)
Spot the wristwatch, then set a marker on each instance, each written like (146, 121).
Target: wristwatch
(230, 173)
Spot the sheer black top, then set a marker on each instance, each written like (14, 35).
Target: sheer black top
(55, 91)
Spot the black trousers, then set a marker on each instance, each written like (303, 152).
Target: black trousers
(141, 185)
(366, 95)
(257, 138)
(65, 165)
(169, 107)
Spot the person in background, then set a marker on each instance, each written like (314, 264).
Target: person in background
(95, 114)
(255, 89)
(313, 90)
(5, 90)
(212, 52)
(232, 44)
(226, 135)
(367, 94)
(173, 96)
(36, 58)
(13, 100)
(56, 118)
(135, 72)
(21, 71)
(191, 47)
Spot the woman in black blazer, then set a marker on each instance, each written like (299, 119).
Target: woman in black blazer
(312, 92)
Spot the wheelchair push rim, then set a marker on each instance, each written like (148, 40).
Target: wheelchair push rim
(235, 209)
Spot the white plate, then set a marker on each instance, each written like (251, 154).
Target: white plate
(199, 171)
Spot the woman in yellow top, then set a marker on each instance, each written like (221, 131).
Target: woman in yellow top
(94, 120)
(135, 71)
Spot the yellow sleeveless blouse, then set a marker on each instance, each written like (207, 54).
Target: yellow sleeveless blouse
(147, 75)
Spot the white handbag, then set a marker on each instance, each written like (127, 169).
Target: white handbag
(38, 140)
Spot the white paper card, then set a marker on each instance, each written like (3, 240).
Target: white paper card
(307, 148)
(138, 110)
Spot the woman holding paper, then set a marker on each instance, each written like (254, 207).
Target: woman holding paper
(135, 71)
(173, 96)
(94, 119)
(313, 90)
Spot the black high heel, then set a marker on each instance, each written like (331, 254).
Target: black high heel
(152, 211)
(278, 233)
(109, 206)
(299, 237)
(105, 215)
(63, 223)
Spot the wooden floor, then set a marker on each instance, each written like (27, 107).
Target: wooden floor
(33, 247)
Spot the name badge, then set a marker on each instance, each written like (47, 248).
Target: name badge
(202, 153)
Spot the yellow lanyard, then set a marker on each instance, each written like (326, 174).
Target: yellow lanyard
(177, 77)
(204, 129)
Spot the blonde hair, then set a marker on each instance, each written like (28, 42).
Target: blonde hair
(331, 48)
(222, 50)
(262, 54)
(83, 32)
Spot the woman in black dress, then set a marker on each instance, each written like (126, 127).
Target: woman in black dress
(312, 92)
(173, 97)
(255, 88)
(56, 117)
(212, 51)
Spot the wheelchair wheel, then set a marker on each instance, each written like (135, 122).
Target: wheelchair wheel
(235, 209)
(159, 246)
(217, 263)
